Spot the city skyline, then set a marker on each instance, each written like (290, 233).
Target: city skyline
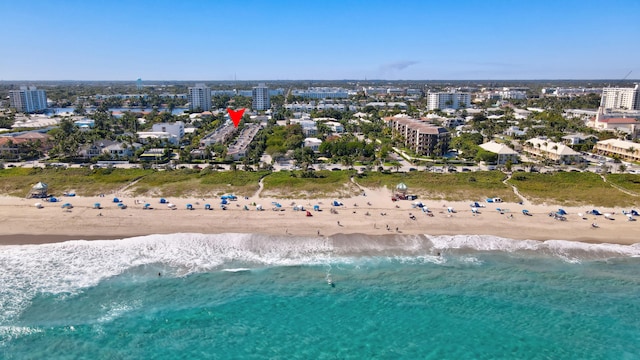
(286, 40)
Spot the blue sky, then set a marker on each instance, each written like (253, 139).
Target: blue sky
(332, 40)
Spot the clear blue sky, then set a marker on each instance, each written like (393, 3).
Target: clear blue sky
(289, 40)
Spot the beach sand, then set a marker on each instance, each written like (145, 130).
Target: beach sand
(23, 223)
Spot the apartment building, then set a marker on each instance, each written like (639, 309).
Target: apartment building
(421, 137)
(621, 98)
(261, 97)
(199, 98)
(28, 100)
(448, 100)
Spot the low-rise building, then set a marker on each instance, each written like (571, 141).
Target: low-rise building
(558, 152)
(220, 135)
(505, 153)
(626, 150)
(238, 149)
(24, 145)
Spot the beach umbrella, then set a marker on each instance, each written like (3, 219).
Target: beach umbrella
(146, 206)
(38, 205)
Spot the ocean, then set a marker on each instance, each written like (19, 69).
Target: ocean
(244, 296)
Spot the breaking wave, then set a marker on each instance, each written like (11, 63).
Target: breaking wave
(66, 268)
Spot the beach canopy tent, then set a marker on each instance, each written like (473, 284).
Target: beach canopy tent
(259, 207)
(229, 197)
(316, 207)
(52, 199)
(39, 190)
(207, 206)
(336, 203)
(146, 206)
(526, 212)
(634, 213)
(171, 206)
(116, 200)
(163, 201)
(562, 212)
(276, 204)
(189, 207)
(594, 212)
(122, 206)
(224, 202)
(67, 206)
(96, 206)
(38, 205)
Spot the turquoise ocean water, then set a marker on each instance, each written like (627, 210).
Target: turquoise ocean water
(238, 296)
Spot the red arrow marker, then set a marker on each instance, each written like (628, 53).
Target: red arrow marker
(235, 115)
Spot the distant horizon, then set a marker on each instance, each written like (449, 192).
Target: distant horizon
(407, 40)
(329, 80)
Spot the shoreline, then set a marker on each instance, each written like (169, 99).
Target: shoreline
(23, 223)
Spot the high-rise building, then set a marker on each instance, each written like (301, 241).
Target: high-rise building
(621, 98)
(28, 100)
(261, 98)
(448, 100)
(139, 84)
(199, 98)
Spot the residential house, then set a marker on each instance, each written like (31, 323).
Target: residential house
(313, 143)
(577, 139)
(115, 149)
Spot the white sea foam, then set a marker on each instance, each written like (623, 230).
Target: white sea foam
(66, 268)
(571, 251)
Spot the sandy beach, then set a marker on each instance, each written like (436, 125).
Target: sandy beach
(372, 214)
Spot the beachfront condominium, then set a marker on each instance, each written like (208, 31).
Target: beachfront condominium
(261, 98)
(28, 100)
(621, 98)
(448, 100)
(421, 137)
(199, 98)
